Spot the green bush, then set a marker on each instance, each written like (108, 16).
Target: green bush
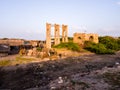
(98, 48)
(118, 42)
(110, 42)
(70, 45)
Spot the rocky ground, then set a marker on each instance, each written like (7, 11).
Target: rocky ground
(88, 72)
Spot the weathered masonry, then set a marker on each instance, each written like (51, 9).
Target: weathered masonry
(64, 33)
(56, 34)
(80, 38)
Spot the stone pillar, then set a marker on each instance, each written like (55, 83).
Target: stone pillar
(57, 34)
(48, 35)
(64, 33)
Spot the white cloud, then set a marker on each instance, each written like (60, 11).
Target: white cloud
(118, 3)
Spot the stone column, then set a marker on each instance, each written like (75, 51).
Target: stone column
(48, 35)
(57, 34)
(64, 33)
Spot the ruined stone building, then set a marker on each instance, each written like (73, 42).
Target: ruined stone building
(16, 44)
(80, 38)
(12, 42)
(56, 34)
(20, 42)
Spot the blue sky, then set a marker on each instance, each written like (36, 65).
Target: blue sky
(27, 18)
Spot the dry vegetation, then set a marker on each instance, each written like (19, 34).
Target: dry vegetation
(16, 61)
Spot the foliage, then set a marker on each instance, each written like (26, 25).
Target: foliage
(98, 48)
(70, 45)
(106, 45)
(110, 42)
(118, 42)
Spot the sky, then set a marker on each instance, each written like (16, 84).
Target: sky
(26, 19)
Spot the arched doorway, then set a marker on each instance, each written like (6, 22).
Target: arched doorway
(91, 38)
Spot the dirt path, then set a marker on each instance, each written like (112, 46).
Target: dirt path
(44, 75)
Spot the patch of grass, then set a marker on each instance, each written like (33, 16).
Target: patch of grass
(18, 60)
(70, 46)
(22, 60)
(5, 62)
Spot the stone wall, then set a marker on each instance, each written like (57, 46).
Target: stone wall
(12, 42)
(80, 38)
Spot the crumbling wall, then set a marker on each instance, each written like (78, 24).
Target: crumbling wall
(80, 38)
(12, 42)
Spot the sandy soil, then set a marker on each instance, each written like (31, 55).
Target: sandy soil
(9, 57)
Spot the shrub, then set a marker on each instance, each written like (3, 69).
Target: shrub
(70, 45)
(97, 48)
(118, 42)
(110, 42)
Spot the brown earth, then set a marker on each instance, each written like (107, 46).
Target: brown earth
(9, 57)
(76, 73)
